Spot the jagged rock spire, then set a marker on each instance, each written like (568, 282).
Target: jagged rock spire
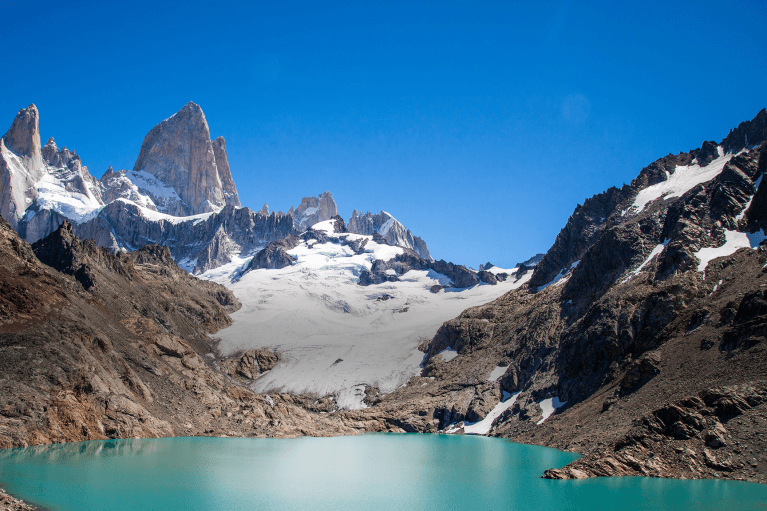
(23, 138)
(224, 173)
(179, 152)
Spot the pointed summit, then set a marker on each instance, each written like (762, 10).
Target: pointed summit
(23, 138)
(313, 210)
(180, 154)
(230, 191)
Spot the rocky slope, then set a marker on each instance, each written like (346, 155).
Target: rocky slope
(115, 346)
(640, 341)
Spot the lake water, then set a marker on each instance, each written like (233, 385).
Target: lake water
(369, 472)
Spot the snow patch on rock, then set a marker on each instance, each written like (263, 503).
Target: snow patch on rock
(483, 427)
(734, 240)
(684, 179)
(549, 406)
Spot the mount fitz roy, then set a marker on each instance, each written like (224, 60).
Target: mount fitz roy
(180, 193)
(639, 339)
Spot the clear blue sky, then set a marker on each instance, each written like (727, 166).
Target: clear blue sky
(479, 127)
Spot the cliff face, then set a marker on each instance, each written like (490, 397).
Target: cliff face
(21, 165)
(180, 154)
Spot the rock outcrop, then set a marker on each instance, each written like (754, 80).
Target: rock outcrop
(313, 210)
(275, 255)
(392, 231)
(23, 139)
(225, 173)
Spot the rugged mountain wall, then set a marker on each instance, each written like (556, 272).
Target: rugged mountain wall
(180, 193)
(199, 243)
(392, 230)
(642, 330)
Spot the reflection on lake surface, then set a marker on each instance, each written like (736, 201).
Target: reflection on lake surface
(370, 472)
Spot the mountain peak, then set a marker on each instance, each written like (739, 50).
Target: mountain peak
(313, 210)
(180, 153)
(23, 138)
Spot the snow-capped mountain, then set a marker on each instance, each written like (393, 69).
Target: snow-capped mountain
(180, 193)
(37, 182)
(388, 227)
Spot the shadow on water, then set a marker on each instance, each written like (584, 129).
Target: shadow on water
(76, 450)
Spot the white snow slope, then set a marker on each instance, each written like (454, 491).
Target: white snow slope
(333, 335)
(684, 179)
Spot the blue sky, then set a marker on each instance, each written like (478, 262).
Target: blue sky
(480, 127)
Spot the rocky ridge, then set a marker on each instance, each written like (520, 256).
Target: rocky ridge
(392, 231)
(179, 193)
(636, 325)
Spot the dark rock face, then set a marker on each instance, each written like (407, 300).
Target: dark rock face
(749, 327)
(63, 251)
(582, 230)
(339, 226)
(209, 242)
(275, 255)
(748, 134)
(756, 215)
(460, 275)
(487, 278)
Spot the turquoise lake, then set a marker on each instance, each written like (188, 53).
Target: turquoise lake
(369, 472)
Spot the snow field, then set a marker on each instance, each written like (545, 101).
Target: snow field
(333, 335)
